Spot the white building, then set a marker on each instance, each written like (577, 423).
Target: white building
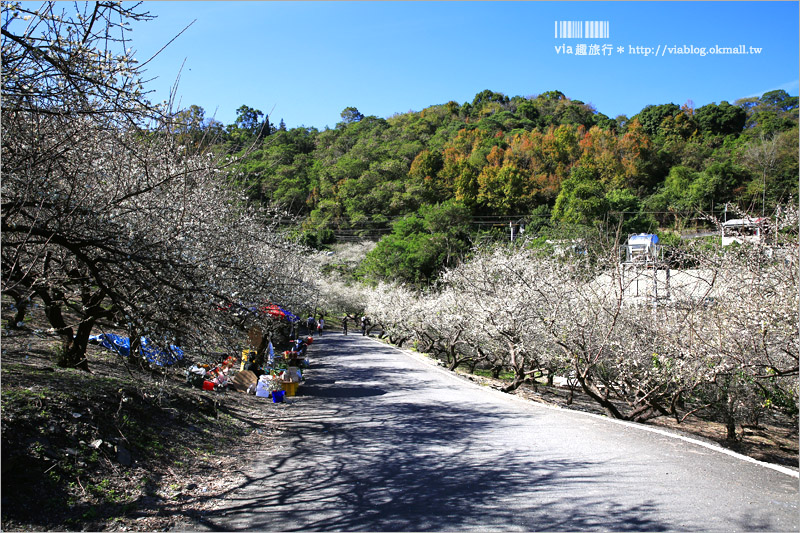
(742, 230)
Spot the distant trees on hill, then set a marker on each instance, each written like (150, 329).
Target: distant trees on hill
(510, 155)
(515, 156)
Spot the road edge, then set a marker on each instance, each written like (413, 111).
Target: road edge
(667, 433)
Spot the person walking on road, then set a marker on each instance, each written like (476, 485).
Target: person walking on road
(364, 323)
(320, 325)
(344, 325)
(311, 325)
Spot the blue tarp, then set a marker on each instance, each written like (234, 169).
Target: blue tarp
(154, 354)
(291, 317)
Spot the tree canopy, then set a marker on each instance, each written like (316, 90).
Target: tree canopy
(502, 156)
(110, 209)
(496, 155)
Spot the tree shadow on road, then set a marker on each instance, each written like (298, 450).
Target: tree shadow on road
(368, 449)
(424, 468)
(342, 392)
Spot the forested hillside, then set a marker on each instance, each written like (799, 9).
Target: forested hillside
(544, 155)
(535, 161)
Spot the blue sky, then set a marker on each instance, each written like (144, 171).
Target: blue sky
(304, 62)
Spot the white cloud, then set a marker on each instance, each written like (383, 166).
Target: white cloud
(791, 87)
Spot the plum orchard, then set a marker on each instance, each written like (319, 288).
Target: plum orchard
(748, 336)
(724, 341)
(105, 213)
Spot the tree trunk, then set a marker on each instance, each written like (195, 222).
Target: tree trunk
(514, 385)
(602, 399)
(399, 341)
(519, 379)
(453, 361)
(71, 355)
(427, 346)
(730, 420)
(74, 356)
(21, 306)
(262, 349)
(532, 379)
(642, 413)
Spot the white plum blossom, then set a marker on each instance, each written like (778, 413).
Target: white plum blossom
(105, 212)
(721, 336)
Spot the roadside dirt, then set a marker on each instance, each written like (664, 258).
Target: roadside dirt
(121, 448)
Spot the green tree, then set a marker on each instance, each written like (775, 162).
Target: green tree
(424, 176)
(772, 112)
(716, 185)
(625, 212)
(575, 112)
(527, 110)
(779, 100)
(192, 128)
(722, 119)
(652, 116)
(502, 189)
(486, 98)
(420, 245)
(452, 107)
(582, 199)
(350, 115)
(280, 171)
(676, 187)
(249, 120)
(247, 128)
(546, 104)
(189, 119)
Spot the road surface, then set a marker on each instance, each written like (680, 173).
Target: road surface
(382, 440)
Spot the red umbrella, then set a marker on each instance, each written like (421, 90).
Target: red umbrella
(273, 311)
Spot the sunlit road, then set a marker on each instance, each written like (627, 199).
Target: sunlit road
(382, 441)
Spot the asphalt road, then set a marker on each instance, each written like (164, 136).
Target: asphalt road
(381, 440)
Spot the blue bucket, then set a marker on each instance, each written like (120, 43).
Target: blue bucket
(277, 396)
